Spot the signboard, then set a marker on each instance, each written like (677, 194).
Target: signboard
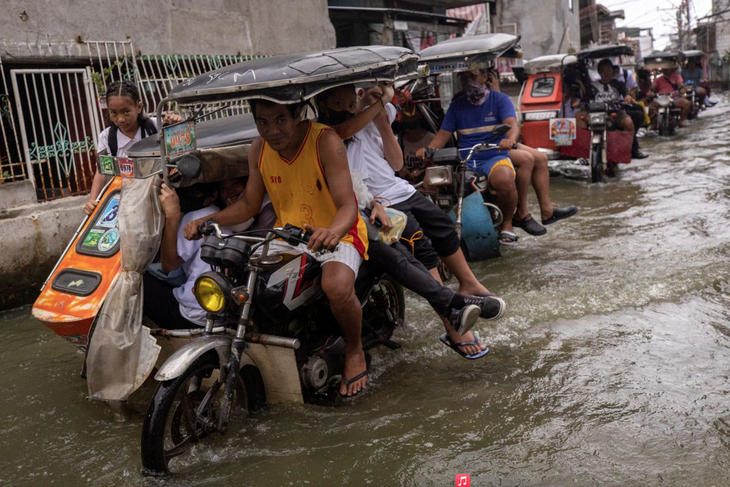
(180, 139)
(563, 131)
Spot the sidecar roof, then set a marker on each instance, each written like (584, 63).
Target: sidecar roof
(457, 53)
(605, 51)
(210, 134)
(553, 63)
(292, 78)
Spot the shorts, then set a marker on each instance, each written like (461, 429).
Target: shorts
(344, 253)
(486, 166)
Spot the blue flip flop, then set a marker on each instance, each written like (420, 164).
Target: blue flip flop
(455, 346)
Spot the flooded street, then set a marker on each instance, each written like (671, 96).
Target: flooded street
(610, 367)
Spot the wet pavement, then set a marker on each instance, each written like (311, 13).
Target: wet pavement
(610, 367)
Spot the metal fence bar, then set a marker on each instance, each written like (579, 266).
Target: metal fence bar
(60, 145)
(10, 163)
(76, 131)
(19, 107)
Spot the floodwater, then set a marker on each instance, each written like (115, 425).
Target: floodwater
(610, 368)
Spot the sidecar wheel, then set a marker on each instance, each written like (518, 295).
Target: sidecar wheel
(184, 411)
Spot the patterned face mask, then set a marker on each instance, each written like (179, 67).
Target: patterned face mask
(476, 93)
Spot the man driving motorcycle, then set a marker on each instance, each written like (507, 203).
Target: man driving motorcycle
(671, 83)
(611, 90)
(303, 167)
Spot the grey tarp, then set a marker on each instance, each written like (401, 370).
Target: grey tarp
(121, 351)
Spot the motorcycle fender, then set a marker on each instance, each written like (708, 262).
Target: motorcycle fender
(184, 356)
(477, 230)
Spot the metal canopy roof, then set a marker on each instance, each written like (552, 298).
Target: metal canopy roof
(295, 77)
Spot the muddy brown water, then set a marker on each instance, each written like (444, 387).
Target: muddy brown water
(610, 368)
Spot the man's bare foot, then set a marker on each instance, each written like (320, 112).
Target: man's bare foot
(355, 365)
(466, 337)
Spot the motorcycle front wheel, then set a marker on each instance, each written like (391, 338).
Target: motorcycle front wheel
(596, 164)
(662, 124)
(185, 410)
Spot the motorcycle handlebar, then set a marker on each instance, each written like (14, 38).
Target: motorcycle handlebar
(292, 234)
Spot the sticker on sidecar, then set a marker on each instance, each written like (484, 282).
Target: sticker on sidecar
(109, 217)
(180, 139)
(563, 130)
(108, 240)
(106, 165)
(126, 168)
(92, 238)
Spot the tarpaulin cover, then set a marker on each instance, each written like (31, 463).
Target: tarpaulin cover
(121, 351)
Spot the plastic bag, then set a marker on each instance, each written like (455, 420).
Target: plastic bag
(399, 220)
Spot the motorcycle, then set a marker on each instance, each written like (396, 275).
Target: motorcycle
(600, 121)
(255, 295)
(542, 104)
(463, 193)
(457, 191)
(667, 117)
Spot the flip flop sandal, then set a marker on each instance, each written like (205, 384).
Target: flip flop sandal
(455, 346)
(529, 225)
(510, 239)
(351, 380)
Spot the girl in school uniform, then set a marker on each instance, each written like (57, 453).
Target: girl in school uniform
(128, 126)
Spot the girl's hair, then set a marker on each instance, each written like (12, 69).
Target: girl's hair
(125, 88)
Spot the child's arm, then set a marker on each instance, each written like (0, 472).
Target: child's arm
(97, 185)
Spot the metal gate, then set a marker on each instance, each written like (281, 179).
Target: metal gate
(59, 126)
(12, 167)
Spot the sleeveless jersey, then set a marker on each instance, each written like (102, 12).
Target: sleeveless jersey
(299, 190)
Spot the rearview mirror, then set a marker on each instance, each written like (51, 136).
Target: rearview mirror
(500, 130)
(189, 166)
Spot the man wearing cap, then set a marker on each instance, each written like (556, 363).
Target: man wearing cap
(473, 116)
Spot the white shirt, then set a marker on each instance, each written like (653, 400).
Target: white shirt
(193, 266)
(365, 155)
(123, 142)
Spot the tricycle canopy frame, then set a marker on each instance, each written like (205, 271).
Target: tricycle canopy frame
(459, 53)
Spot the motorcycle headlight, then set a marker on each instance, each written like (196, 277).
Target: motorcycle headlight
(664, 101)
(211, 290)
(438, 176)
(596, 118)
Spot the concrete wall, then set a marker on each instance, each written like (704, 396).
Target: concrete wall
(542, 26)
(33, 238)
(50, 28)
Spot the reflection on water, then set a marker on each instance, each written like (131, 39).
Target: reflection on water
(609, 369)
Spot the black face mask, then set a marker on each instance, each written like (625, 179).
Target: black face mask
(335, 117)
(191, 203)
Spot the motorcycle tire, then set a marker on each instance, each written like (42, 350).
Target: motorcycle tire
(661, 124)
(596, 165)
(166, 416)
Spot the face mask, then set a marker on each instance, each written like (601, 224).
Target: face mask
(335, 117)
(475, 93)
(191, 203)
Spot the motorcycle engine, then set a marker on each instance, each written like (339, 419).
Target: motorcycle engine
(315, 372)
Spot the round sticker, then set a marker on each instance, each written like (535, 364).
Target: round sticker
(108, 240)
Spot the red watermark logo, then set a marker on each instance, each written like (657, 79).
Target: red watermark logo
(463, 480)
